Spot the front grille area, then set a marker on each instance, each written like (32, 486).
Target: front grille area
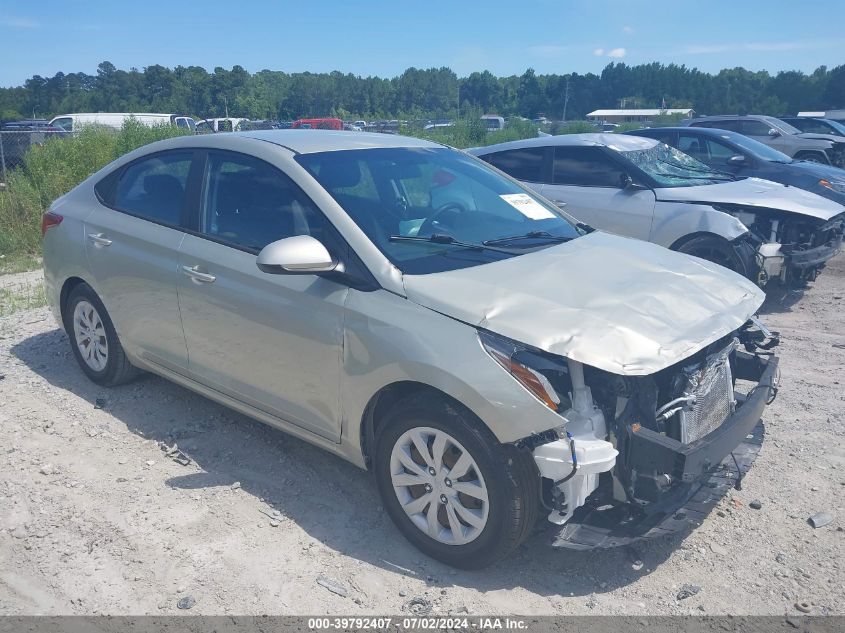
(712, 396)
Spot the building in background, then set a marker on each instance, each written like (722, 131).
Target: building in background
(640, 115)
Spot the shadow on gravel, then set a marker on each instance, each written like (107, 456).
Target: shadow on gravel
(780, 298)
(332, 500)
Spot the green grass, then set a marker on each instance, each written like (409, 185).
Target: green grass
(22, 297)
(18, 263)
(54, 168)
(472, 132)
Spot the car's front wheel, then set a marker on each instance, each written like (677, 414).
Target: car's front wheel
(94, 340)
(714, 249)
(454, 491)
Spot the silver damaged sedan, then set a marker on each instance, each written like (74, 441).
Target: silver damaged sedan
(403, 305)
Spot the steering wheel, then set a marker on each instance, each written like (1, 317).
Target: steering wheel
(450, 208)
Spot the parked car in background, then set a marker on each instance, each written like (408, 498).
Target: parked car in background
(823, 148)
(833, 115)
(437, 125)
(491, 364)
(318, 124)
(493, 122)
(29, 125)
(115, 120)
(744, 157)
(645, 189)
(815, 125)
(220, 124)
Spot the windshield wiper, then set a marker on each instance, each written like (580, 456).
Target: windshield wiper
(531, 235)
(442, 238)
(716, 172)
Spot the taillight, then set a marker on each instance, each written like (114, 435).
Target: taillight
(49, 220)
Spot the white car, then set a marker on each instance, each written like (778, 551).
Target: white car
(642, 188)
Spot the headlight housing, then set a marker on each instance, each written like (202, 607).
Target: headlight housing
(545, 376)
(833, 185)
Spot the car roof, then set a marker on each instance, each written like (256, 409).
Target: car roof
(311, 141)
(764, 117)
(701, 131)
(618, 142)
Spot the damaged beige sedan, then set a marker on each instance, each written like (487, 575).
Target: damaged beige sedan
(401, 304)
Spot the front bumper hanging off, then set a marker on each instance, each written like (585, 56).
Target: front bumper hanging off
(705, 469)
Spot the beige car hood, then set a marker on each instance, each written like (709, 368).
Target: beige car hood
(622, 305)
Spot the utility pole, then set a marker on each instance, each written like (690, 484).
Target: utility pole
(565, 98)
(226, 105)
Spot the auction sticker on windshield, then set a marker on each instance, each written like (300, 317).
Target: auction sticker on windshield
(527, 206)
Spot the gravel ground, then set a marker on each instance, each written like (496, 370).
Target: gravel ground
(95, 518)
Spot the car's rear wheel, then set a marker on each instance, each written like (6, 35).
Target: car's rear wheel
(714, 249)
(94, 340)
(454, 491)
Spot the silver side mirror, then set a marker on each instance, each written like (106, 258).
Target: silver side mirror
(773, 132)
(299, 255)
(736, 159)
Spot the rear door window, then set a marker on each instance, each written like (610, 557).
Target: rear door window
(523, 164)
(586, 167)
(154, 188)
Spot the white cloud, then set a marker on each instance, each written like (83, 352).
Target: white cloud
(616, 53)
(547, 50)
(19, 23)
(628, 30)
(599, 52)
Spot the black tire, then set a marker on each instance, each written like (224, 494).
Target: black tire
(118, 370)
(714, 249)
(813, 157)
(510, 476)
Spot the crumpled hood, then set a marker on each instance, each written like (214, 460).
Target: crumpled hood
(755, 192)
(622, 305)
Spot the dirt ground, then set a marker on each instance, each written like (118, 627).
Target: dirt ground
(95, 518)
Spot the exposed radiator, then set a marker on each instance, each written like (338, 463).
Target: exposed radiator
(711, 386)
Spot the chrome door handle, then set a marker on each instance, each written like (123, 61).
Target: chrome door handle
(198, 275)
(99, 240)
(559, 203)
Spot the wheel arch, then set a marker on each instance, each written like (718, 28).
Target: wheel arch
(676, 221)
(685, 239)
(385, 398)
(67, 287)
(804, 153)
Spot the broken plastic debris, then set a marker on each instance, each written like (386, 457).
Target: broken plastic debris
(820, 519)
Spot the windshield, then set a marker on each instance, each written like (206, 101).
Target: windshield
(838, 128)
(756, 147)
(401, 197)
(786, 127)
(670, 167)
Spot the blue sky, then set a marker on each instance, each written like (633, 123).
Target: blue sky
(383, 38)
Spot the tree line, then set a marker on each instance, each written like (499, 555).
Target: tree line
(420, 93)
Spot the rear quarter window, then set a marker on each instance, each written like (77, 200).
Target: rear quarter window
(153, 188)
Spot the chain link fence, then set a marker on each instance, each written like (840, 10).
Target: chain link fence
(14, 144)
